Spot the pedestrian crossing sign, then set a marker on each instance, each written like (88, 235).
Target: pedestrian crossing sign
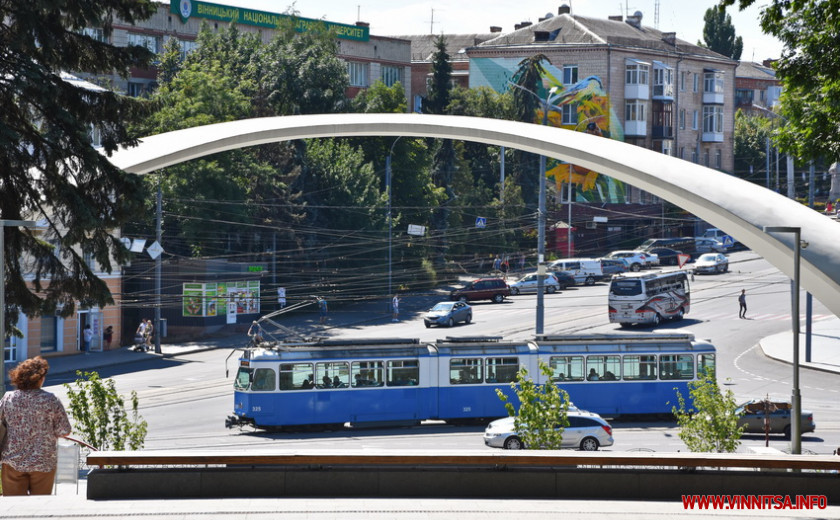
(481, 222)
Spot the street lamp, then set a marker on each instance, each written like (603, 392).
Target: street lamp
(3, 225)
(540, 320)
(390, 220)
(796, 398)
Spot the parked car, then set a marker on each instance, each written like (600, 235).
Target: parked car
(722, 237)
(494, 289)
(709, 245)
(586, 271)
(448, 313)
(611, 266)
(667, 256)
(751, 416)
(684, 244)
(711, 263)
(564, 278)
(528, 283)
(586, 431)
(634, 260)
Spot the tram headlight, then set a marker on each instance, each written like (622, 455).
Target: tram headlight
(239, 406)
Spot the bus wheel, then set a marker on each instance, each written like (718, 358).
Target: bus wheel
(656, 319)
(680, 315)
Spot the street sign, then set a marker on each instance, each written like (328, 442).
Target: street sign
(414, 229)
(727, 240)
(137, 245)
(682, 259)
(154, 250)
(481, 222)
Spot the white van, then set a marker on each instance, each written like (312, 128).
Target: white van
(585, 270)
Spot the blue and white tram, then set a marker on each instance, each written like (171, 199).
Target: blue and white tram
(404, 381)
(616, 375)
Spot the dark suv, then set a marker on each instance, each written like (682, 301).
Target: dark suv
(482, 289)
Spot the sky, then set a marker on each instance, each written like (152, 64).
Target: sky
(403, 17)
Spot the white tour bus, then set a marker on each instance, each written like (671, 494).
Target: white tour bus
(648, 297)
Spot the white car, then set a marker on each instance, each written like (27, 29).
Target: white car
(528, 283)
(586, 431)
(711, 263)
(635, 260)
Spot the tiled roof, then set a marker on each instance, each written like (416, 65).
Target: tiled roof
(423, 45)
(747, 69)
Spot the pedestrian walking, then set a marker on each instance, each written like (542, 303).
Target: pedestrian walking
(108, 336)
(322, 309)
(497, 264)
(149, 332)
(742, 302)
(87, 336)
(395, 308)
(35, 419)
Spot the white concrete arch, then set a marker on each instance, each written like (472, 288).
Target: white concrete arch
(736, 206)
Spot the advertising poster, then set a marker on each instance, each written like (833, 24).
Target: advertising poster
(193, 299)
(221, 298)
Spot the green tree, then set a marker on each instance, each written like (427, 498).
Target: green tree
(100, 414)
(719, 34)
(437, 99)
(526, 101)
(710, 424)
(542, 411)
(50, 167)
(809, 70)
(751, 134)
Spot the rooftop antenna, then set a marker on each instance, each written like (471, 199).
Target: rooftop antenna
(656, 15)
(432, 22)
(358, 12)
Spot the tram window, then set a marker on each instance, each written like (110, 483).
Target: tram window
(243, 378)
(465, 371)
(296, 376)
(705, 362)
(404, 372)
(603, 368)
(676, 366)
(367, 373)
(566, 368)
(265, 380)
(332, 375)
(639, 367)
(502, 370)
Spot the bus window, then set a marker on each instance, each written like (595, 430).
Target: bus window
(705, 362)
(676, 366)
(566, 368)
(626, 287)
(404, 372)
(603, 368)
(265, 380)
(639, 367)
(243, 378)
(332, 375)
(465, 371)
(296, 376)
(367, 373)
(502, 370)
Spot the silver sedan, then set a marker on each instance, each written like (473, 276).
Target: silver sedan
(448, 313)
(711, 263)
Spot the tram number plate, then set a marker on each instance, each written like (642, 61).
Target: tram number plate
(256, 408)
(467, 409)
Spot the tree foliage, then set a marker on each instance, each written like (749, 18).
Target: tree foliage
(50, 168)
(809, 70)
(719, 34)
(527, 96)
(100, 414)
(710, 424)
(751, 134)
(541, 416)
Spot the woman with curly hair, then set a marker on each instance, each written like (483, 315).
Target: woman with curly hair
(35, 419)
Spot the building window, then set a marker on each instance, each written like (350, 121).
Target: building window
(95, 135)
(144, 40)
(570, 74)
(570, 115)
(718, 159)
(743, 97)
(682, 119)
(713, 82)
(49, 333)
(706, 158)
(682, 152)
(694, 120)
(136, 89)
(358, 73)
(713, 119)
(390, 75)
(666, 147)
(696, 85)
(634, 111)
(636, 74)
(187, 46)
(694, 156)
(95, 33)
(663, 81)
(682, 80)
(663, 120)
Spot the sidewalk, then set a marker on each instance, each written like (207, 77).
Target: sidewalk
(825, 346)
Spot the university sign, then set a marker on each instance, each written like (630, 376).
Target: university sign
(187, 9)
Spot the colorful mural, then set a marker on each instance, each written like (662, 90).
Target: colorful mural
(584, 107)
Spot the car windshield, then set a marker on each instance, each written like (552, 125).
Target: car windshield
(626, 287)
(443, 306)
(707, 258)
